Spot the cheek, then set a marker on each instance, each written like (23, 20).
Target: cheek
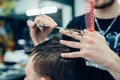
(32, 76)
(29, 77)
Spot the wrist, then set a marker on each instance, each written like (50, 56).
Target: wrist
(114, 68)
(113, 62)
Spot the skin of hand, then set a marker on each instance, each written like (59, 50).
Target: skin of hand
(92, 45)
(39, 34)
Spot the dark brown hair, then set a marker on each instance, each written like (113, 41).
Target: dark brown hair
(48, 62)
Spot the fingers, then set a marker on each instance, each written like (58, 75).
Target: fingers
(30, 23)
(45, 20)
(73, 34)
(71, 55)
(95, 35)
(31, 26)
(42, 20)
(71, 44)
(79, 54)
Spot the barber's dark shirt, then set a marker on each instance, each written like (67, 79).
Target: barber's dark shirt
(113, 40)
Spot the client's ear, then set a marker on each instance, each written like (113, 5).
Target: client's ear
(45, 78)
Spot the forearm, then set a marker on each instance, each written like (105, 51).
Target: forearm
(114, 67)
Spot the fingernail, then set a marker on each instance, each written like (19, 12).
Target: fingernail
(61, 30)
(61, 41)
(62, 55)
(30, 23)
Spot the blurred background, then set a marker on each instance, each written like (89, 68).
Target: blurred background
(15, 41)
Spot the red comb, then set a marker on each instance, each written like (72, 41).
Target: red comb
(89, 15)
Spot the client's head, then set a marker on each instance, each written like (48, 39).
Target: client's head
(45, 63)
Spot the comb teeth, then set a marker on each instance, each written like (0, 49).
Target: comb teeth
(89, 15)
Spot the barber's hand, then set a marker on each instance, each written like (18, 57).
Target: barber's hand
(39, 34)
(92, 47)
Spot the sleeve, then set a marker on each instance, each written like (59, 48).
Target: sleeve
(77, 23)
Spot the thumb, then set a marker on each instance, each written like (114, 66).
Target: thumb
(30, 23)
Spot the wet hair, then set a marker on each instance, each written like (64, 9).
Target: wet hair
(48, 62)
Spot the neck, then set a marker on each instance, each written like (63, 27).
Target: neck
(109, 12)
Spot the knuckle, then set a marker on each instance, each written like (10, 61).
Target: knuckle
(37, 19)
(91, 41)
(86, 54)
(103, 37)
(72, 55)
(73, 35)
(72, 44)
(87, 47)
